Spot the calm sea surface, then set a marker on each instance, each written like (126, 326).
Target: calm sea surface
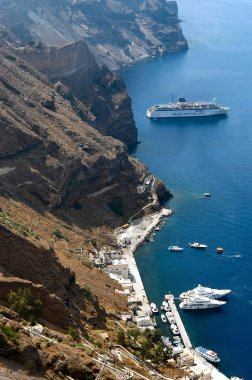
(195, 156)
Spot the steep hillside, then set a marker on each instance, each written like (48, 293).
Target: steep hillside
(117, 32)
(106, 104)
(52, 160)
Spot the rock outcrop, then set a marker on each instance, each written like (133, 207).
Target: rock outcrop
(52, 160)
(105, 102)
(117, 32)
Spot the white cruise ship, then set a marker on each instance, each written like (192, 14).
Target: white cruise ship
(186, 109)
(202, 291)
(194, 303)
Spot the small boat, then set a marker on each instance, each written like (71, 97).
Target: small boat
(219, 249)
(207, 194)
(168, 314)
(175, 248)
(198, 245)
(157, 228)
(174, 329)
(180, 345)
(154, 308)
(209, 355)
(236, 378)
(165, 306)
(164, 319)
(166, 341)
(177, 339)
(171, 320)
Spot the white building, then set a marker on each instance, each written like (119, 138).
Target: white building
(119, 267)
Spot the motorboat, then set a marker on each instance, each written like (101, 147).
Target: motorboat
(198, 245)
(219, 249)
(207, 194)
(203, 291)
(154, 308)
(209, 355)
(165, 306)
(166, 341)
(171, 320)
(168, 314)
(174, 329)
(175, 248)
(194, 303)
(164, 319)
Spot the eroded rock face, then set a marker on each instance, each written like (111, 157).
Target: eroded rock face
(106, 104)
(118, 31)
(52, 160)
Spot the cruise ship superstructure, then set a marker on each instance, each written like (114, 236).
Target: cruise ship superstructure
(202, 291)
(186, 109)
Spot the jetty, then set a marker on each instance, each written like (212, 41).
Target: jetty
(200, 365)
(184, 336)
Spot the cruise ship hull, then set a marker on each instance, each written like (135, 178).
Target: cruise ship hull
(152, 114)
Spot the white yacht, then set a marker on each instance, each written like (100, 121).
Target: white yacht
(175, 248)
(203, 291)
(186, 109)
(198, 245)
(194, 303)
(209, 355)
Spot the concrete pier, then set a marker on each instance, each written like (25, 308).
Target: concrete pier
(207, 370)
(184, 336)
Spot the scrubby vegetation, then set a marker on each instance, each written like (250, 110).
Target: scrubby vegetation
(10, 333)
(22, 302)
(20, 227)
(146, 344)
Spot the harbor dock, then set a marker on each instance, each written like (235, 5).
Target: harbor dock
(184, 336)
(201, 365)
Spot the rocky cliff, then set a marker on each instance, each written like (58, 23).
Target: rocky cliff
(51, 159)
(117, 32)
(105, 102)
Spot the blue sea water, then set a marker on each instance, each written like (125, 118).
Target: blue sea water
(195, 156)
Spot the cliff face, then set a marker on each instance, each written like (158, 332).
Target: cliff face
(51, 159)
(106, 104)
(117, 32)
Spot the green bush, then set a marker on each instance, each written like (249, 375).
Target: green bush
(86, 264)
(73, 332)
(11, 334)
(22, 302)
(59, 235)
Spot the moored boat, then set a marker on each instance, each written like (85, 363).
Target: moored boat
(174, 329)
(195, 303)
(163, 317)
(209, 355)
(198, 245)
(205, 292)
(166, 341)
(175, 248)
(154, 308)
